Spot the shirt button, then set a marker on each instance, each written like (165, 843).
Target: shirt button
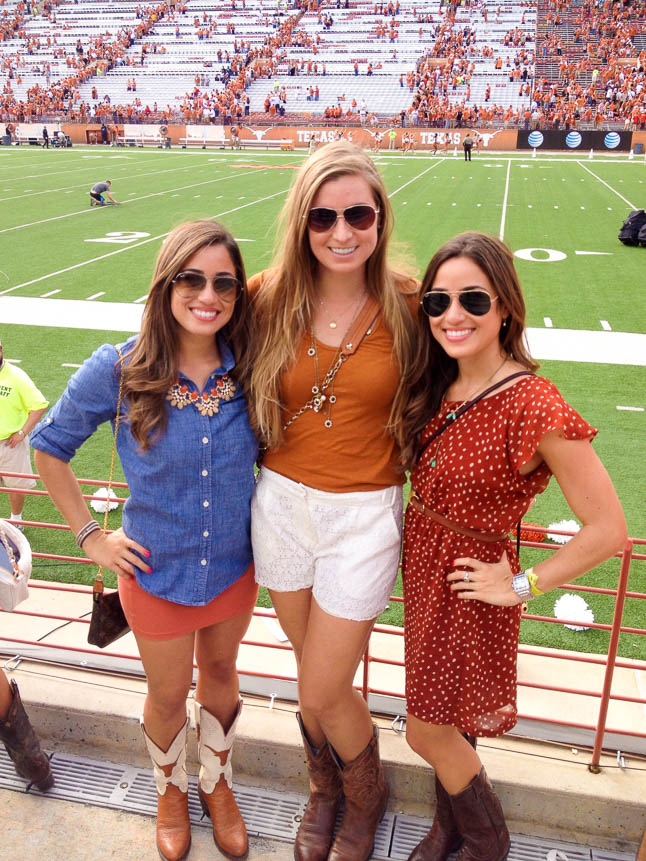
(49, 421)
(205, 472)
(205, 503)
(205, 439)
(206, 533)
(203, 562)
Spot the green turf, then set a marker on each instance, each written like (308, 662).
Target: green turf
(564, 204)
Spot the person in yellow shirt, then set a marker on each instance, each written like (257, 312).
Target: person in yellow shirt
(21, 408)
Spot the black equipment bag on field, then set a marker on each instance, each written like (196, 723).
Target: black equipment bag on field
(630, 229)
(642, 236)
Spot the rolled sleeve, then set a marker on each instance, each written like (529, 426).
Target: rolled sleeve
(89, 400)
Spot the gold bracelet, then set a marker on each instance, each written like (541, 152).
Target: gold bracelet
(532, 577)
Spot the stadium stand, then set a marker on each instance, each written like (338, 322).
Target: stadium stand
(550, 64)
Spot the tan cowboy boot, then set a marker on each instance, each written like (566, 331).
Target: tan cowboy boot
(315, 832)
(214, 786)
(444, 837)
(173, 825)
(481, 822)
(366, 796)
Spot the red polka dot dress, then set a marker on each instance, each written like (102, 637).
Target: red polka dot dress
(461, 655)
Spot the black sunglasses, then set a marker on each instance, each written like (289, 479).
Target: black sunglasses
(475, 302)
(358, 217)
(190, 284)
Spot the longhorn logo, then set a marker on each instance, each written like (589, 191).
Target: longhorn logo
(258, 133)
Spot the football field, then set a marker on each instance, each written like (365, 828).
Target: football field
(73, 277)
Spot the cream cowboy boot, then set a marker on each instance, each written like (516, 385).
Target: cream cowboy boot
(214, 786)
(173, 825)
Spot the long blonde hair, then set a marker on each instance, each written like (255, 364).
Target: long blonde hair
(287, 297)
(151, 366)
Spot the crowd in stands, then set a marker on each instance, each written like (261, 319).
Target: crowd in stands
(586, 68)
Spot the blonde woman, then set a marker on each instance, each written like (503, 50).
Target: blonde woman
(336, 336)
(183, 554)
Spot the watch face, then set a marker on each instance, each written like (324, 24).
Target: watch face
(520, 585)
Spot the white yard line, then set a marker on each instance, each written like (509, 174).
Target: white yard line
(128, 248)
(86, 185)
(93, 210)
(393, 193)
(632, 409)
(501, 235)
(603, 182)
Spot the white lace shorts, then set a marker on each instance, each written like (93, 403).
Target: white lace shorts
(346, 547)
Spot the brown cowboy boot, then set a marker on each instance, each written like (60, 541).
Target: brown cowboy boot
(214, 786)
(315, 832)
(480, 821)
(22, 745)
(444, 837)
(173, 824)
(366, 796)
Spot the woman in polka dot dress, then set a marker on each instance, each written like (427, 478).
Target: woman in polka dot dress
(471, 484)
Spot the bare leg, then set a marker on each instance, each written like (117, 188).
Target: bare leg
(216, 651)
(340, 710)
(444, 747)
(17, 502)
(169, 671)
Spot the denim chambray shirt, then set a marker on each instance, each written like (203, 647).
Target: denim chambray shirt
(190, 493)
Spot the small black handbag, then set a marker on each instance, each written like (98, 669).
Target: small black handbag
(108, 621)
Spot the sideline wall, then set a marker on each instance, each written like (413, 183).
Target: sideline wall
(299, 136)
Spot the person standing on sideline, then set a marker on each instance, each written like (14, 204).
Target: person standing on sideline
(21, 408)
(336, 335)
(97, 192)
(392, 137)
(45, 138)
(467, 143)
(484, 435)
(183, 553)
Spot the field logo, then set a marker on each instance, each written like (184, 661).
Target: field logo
(535, 139)
(612, 140)
(573, 140)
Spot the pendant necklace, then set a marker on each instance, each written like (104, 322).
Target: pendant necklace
(333, 323)
(453, 414)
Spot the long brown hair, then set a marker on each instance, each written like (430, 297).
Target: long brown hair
(287, 298)
(434, 370)
(151, 366)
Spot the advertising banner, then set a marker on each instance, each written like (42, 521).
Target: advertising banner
(599, 141)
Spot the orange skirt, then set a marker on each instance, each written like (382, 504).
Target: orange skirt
(157, 619)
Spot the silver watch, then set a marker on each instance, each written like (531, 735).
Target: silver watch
(520, 585)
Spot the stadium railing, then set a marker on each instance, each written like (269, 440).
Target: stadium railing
(611, 660)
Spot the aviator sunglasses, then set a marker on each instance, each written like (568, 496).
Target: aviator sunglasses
(475, 302)
(358, 217)
(190, 284)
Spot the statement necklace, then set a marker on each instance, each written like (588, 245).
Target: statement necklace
(452, 415)
(208, 403)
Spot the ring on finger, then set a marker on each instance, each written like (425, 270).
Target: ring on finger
(467, 576)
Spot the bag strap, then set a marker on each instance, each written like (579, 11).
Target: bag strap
(456, 415)
(98, 578)
(363, 325)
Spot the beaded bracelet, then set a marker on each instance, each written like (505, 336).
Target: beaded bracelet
(84, 531)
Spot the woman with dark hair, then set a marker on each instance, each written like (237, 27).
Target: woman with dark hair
(183, 554)
(485, 436)
(336, 335)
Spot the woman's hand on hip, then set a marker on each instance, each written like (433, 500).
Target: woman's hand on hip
(117, 552)
(485, 581)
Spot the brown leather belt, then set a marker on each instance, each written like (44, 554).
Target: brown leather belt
(419, 506)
